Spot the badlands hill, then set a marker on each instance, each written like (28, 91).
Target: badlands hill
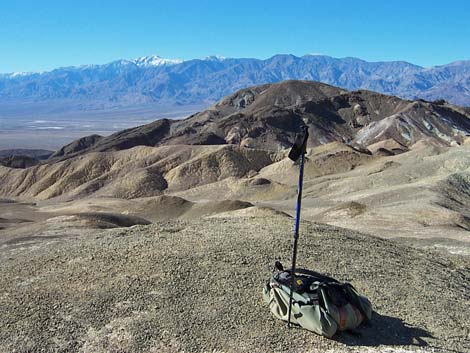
(268, 116)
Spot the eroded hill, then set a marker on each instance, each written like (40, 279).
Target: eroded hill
(268, 116)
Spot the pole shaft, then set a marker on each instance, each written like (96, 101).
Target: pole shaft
(296, 232)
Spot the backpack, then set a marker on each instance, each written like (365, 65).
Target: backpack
(320, 304)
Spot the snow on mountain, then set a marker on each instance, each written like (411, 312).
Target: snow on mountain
(155, 60)
(15, 75)
(214, 58)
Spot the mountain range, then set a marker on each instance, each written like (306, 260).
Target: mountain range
(172, 82)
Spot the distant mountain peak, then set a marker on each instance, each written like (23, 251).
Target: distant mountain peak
(215, 58)
(155, 60)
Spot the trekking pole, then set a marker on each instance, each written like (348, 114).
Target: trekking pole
(299, 149)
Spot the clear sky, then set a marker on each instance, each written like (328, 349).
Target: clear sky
(41, 35)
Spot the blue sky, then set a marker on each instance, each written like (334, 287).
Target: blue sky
(41, 35)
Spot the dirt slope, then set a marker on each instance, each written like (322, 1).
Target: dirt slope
(196, 286)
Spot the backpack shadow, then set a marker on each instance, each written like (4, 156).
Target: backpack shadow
(385, 330)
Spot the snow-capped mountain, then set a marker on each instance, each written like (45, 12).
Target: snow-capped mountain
(155, 60)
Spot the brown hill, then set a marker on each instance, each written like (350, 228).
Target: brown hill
(223, 171)
(138, 172)
(268, 117)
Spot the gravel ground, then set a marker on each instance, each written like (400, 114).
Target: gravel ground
(196, 286)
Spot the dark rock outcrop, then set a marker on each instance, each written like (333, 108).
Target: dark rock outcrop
(20, 162)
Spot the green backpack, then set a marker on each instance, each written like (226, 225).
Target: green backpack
(320, 303)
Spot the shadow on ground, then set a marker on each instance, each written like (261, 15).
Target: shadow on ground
(385, 330)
